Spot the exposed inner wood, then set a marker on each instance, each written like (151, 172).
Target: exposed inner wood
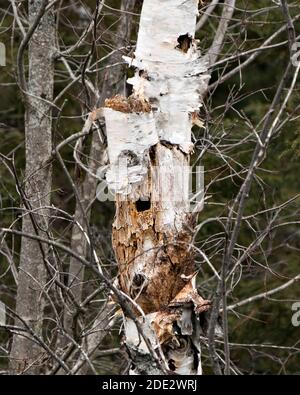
(127, 104)
(153, 249)
(168, 255)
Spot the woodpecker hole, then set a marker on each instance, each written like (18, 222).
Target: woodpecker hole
(184, 42)
(138, 280)
(143, 205)
(171, 364)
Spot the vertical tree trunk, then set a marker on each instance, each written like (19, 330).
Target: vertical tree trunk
(25, 354)
(149, 146)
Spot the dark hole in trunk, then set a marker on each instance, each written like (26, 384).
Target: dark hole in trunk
(184, 42)
(171, 364)
(152, 154)
(138, 280)
(143, 205)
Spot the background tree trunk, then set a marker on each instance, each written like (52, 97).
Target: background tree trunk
(25, 354)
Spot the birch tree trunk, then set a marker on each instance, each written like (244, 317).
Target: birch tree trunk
(26, 354)
(149, 147)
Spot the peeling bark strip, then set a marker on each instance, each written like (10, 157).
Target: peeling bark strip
(149, 144)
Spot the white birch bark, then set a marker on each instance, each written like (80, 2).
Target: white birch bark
(150, 133)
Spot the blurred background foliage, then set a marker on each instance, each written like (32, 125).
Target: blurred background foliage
(267, 322)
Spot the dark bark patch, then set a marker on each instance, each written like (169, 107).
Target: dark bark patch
(144, 74)
(131, 158)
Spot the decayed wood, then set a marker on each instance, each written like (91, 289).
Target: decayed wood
(149, 147)
(152, 245)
